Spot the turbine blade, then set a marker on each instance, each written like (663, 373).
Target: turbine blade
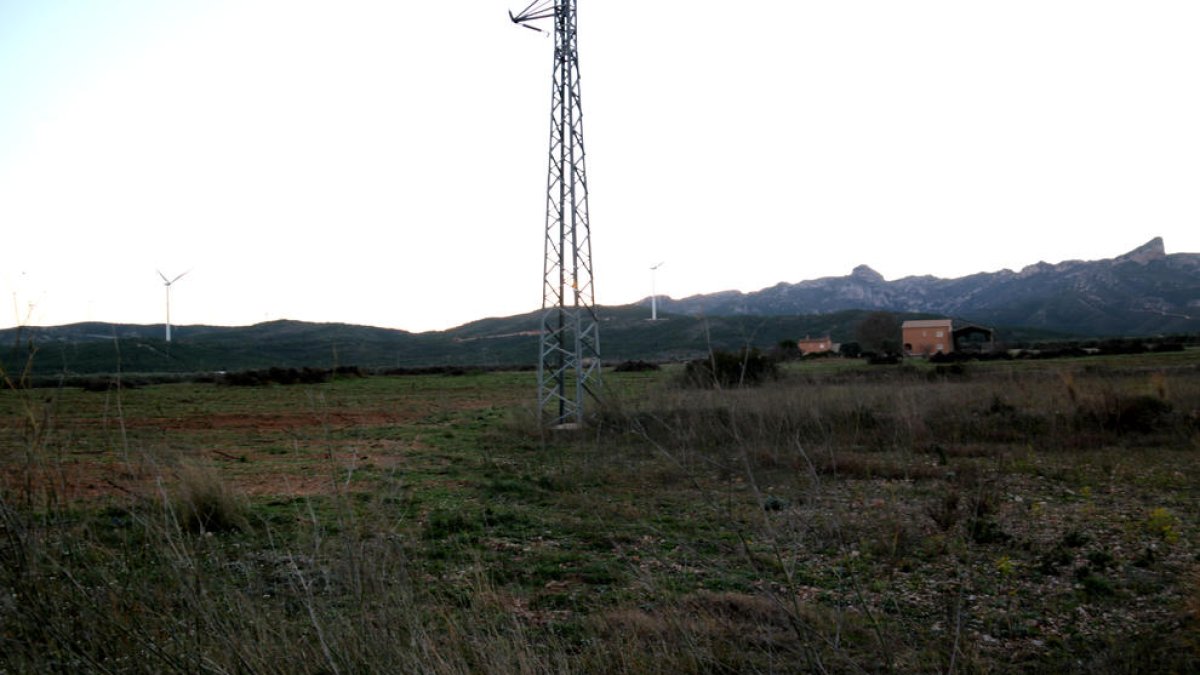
(538, 9)
(164, 277)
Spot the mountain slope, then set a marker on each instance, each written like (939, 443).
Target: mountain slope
(626, 332)
(1142, 292)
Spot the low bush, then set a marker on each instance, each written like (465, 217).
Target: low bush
(635, 367)
(1124, 414)
(728, 369)
(204, 503)
(276, 375)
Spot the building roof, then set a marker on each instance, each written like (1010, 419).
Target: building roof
(973, 326)
(927, 323)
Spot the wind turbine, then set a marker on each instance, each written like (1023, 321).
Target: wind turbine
(168, 283)
(654, 291)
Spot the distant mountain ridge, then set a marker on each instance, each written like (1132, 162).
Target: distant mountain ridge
(1143, 292)
(496, 342)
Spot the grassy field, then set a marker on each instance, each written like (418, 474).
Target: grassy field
(1033, 516)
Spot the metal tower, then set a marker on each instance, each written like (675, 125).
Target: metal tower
(569, 363)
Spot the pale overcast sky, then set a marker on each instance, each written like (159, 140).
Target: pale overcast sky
(383, 162)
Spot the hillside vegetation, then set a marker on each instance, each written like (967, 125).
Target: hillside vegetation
(497, 342)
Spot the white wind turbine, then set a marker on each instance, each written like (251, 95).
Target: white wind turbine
(654, 291)
(168, 283)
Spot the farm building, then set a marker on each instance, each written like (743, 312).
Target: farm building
(815, 345)
(975, 339)
(926, 337)
(931, 336)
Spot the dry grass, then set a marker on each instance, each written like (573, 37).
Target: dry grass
(202, 502)
(873, 520)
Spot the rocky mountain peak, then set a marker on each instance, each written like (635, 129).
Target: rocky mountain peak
(1151, 250)
(1107, 297)
(865, 273)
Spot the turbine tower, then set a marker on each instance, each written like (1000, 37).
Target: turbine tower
(654, 291)
(168, 285)
(569, 358)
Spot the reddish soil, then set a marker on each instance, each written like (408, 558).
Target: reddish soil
(269, 421)
(308, 467)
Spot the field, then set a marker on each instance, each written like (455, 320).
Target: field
(987, 517)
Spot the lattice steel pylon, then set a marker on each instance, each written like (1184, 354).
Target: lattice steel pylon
(569, 359)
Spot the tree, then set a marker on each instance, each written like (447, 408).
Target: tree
(786, 350)
(879, 333)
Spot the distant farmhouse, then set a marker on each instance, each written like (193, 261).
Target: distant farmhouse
(815, 345)
(934, 336)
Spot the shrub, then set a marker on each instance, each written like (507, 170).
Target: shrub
(850, 350)
(285, 376)
(203, 503)
(1127, 414)
(727, 369)
(953, 370)
(879, 332)
(102, 384)
(635, 367)
(944, 512)
(818, 355)
(787, 350)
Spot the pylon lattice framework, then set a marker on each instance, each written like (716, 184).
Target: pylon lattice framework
(569, 359)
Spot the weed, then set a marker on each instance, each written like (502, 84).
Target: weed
(1191, 607)
(986, 531)
(1075, 538)
(1141, 414)
(203, 502)
(1093, 585)
(1100, 559)
(944, 511)
(1050, 562)
(1162, 524)
(775, 503)
(442, 524)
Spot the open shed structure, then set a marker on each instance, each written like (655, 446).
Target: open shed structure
(975, 339)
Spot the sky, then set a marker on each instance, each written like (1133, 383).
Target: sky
(383, 163)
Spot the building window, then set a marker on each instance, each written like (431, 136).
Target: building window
(939, 334)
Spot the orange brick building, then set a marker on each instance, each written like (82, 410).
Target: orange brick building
(923, 338)
(814, 345)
